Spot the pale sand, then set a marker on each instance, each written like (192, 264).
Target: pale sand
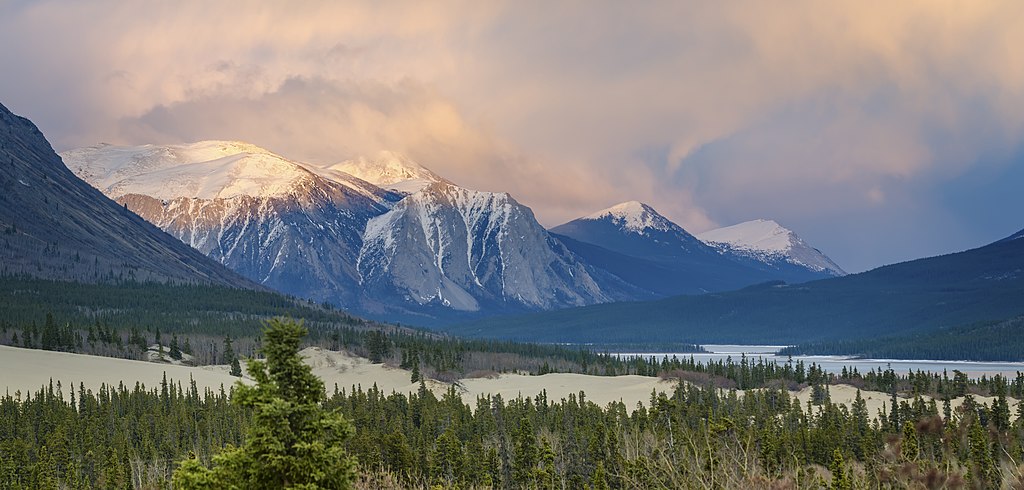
(598, 389)
(876, 401)
(28, 370)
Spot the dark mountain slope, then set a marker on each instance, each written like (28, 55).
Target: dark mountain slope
(56, 226)
(977, 285)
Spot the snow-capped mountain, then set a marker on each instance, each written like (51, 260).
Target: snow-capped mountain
(382, 236)
(469, 250)
(389, 170)
(275, 221)
(768, 242)
(635, 229)
(640, 246)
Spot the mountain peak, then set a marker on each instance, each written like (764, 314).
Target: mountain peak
(633, 216)
(206, 170)
(390, 169)
(759, 234)
(766, 238)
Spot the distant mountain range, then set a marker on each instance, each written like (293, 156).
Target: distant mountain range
(643, 247)
(917, 297)
(388, 238)
(55, 226)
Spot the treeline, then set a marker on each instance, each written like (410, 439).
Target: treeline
(122, 319)
(982, 341)
(449, 359)
(116, 437)
(180, 308)
(695, 436)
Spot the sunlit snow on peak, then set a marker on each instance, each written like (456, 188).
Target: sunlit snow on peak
(767, 240)
(633, 216)
(760, 234)
(204, 170)
(391, 170)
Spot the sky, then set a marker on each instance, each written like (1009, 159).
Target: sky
(879, 131)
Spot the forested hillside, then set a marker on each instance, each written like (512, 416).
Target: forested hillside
(123, 319)
(984, 284)
(983, 341)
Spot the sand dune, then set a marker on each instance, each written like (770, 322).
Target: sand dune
(28, 370)
(846, 394)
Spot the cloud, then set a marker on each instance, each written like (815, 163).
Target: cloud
(817, 114)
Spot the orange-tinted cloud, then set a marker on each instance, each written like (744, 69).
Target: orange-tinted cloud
(711, 111)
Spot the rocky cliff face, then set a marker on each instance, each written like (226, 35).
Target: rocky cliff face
(469, 250)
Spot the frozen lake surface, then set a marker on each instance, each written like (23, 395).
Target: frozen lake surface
(835, 364)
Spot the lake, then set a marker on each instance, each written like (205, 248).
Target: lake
(835, 364)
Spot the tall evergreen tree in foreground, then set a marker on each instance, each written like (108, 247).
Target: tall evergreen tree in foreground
(293, 442)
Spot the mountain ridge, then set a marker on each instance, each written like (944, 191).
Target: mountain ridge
(769, 242)
(918, 296)
(300, 234)
(59, 227)
(445, 250)
(679, 262)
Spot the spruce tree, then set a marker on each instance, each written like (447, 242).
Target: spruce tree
(910, 441)
(293, 441)
(416, 375)
(231, 358)
(236, 368)
(840, 478)
(175, 352)
(1000, 407)
(600, 480)
(525, 455)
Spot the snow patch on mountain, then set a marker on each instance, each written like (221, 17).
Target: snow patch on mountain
(768, 241)
(205, 170)
(390, 170)
(634, 216)
(761, 235)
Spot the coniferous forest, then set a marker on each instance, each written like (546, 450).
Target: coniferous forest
(699, 436)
